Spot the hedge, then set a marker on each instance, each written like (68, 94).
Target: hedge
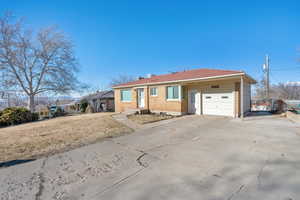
(13, 115)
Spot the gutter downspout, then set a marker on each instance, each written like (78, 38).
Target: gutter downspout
(148, 97)
(242, 97)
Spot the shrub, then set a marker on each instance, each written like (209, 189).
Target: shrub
(83, 105)
(34, 117)
(14, 115)
(73, 107)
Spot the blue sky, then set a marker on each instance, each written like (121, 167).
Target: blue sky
(141, 37)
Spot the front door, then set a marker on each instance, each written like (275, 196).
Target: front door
(141, 97)
(194, 102)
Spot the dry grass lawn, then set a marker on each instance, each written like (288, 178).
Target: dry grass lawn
(148, 118)
(55, 135)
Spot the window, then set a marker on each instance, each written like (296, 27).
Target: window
(153, 91)
(225, 97)
(182, 92)
(173, 92)
(208, 97)
(126, 95)
(215, 86)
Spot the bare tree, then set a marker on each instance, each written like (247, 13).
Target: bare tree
(35, 63)
(95, 88)
(121, 79)
(260, 91)
(288, 91)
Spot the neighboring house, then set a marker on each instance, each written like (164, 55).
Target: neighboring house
(72, 107)
(101, 101)
(199, 91)
(42, 110)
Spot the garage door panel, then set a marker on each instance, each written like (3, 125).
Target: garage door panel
(218, 103)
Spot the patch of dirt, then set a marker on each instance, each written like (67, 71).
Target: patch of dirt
(148, 118)
(32, 140)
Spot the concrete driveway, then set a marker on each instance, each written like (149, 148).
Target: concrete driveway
(193, 157)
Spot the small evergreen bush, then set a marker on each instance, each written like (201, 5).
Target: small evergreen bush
(13, 115)
(83, 105)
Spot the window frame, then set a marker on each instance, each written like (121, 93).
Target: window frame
(179, 93)
(156, 92)
(121, 96)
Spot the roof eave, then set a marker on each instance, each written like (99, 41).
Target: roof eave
(252, 80)
(185, 80)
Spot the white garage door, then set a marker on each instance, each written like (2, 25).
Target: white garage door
(221, 103)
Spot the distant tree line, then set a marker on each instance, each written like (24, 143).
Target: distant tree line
(288, 91)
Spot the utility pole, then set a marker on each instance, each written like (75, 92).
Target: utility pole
(266, 68)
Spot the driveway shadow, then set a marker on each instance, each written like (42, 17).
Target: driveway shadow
(14, 162)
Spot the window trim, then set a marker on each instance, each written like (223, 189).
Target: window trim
(121, 95)
(179, 93)
(156, 93)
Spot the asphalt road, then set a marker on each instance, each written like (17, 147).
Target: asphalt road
(207, 158)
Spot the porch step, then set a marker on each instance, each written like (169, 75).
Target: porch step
(140, 111)
(130, 111)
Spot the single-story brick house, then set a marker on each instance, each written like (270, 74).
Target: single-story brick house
(198, 91)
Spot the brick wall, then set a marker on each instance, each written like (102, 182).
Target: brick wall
(154, 103)
(123, 106)
(160, 103)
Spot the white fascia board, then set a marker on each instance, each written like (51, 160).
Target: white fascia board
(253, 81)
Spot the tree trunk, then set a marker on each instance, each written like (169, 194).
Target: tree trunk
(31, 105)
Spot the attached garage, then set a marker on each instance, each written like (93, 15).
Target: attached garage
(218, 103)
(216, 98)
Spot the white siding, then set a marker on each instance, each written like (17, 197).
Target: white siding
(247, 96)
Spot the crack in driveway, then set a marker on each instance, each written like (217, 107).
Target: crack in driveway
(120, 181)
(144, 165)
(236, 193)
(139, 160)
(41, 181)
(261, 172)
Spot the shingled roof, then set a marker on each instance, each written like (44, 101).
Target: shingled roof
(100, 95)
(182, 76)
